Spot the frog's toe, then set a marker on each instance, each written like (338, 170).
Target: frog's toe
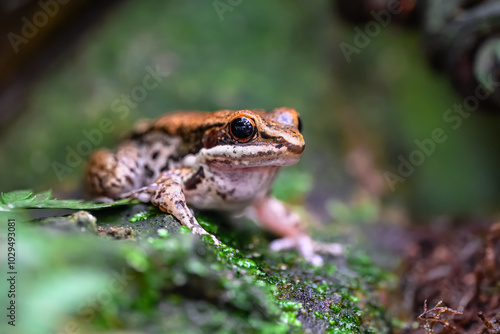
(144, 197)
(328, 248)
(142, 194)
(316, 260)
(282, 244)
(216, 241)
(303, 244)
(201, 231)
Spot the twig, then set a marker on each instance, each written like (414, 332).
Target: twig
(430, 317)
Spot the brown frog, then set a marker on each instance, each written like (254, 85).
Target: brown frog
(226, 160)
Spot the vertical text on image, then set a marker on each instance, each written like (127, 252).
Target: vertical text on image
(11, 272)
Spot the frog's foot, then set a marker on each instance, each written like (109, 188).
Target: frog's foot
(307, 247)
(280, 219)
(169, 197)
(142, 194)
(333, 248)
(302, 243)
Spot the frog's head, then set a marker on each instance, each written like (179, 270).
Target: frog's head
(254, 138)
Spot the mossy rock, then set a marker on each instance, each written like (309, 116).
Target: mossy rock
(164, 279)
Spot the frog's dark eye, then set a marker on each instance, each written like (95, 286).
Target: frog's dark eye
(299, 126)
(242, 129)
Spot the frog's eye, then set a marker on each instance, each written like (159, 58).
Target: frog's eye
(299, 126)
(242, 129)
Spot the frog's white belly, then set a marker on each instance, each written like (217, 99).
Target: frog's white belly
(231, 190)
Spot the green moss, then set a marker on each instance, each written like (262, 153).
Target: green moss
(335, 308)
(236, 285)
(162, 233)
(289, 305)
(289, 318)
(144, 215)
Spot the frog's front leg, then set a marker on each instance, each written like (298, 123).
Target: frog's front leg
(278, 218)
(167, 194)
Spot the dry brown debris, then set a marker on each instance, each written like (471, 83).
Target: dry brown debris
(458, 263)
(435, 315)
(489, 327)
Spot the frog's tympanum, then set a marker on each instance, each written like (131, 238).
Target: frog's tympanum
(225, 160)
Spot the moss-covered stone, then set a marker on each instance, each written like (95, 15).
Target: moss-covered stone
(186, 284)
(164, 279)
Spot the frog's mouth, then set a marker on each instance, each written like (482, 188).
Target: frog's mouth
(233, 157)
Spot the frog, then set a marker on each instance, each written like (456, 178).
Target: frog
(225, 160)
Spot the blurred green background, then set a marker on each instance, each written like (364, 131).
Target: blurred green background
(261, 54)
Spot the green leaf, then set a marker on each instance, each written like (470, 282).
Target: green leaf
(43, 196)
(16, 196)
(26, 199)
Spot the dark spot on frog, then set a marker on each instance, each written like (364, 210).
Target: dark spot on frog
(210, 139)
(129, 180)
(165, 167)
(177, 158)
(217, 137)
(196, 179)
(148, 172)
(155, 154)
(222, 195)
(138, 138)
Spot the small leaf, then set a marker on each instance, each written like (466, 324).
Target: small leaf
(17, 196)
(25, 199)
